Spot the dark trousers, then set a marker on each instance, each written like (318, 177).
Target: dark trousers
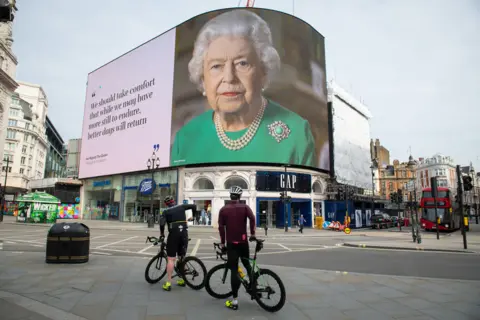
(301, 228)
(237, 251)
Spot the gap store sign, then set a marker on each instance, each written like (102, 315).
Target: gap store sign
(279, 181)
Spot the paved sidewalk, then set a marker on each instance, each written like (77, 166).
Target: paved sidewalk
(447, 243)
(114, 288)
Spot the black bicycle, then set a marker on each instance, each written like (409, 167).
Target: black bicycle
(183, 267)
(258, 288)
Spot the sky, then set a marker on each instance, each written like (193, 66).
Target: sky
(415, 64)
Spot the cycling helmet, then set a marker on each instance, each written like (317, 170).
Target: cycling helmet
(236, 190)
(169, 201)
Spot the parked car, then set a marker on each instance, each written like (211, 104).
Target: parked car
(381, 220)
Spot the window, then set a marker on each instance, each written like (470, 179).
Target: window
(8, 157)
(22, 170)
(203, 184)
(235, 181)
(12, 123)
(10, 146)
(27, 125)
(5, 169)
(22, 160)
(14, 113)
(390, 186)
(24, 149)
(25, 138)
(404, 174)
(11, 134)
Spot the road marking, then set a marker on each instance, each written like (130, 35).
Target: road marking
(24, 241)
(116, 242)
(146, 248)
(103, 236)
(213, 238)
(269, 253)
(127, 251)
(286, 248)
(195, 249)
(102, 253)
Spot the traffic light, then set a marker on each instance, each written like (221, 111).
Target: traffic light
(467, 183)
(7, 10)
(393, 197)
(399, 196)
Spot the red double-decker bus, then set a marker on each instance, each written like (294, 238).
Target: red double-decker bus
(449, 216)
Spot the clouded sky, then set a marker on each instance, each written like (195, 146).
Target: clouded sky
(415, 64)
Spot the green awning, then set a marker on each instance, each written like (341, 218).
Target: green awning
(38, 196)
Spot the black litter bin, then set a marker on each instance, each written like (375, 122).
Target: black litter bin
(68, 243)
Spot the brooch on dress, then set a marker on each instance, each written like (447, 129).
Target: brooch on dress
(279, 130)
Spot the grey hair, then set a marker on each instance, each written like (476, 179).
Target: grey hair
(237, 22)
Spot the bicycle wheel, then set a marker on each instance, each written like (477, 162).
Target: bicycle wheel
(221, 271)
(156, 264)
(263, 288)
(189, 272)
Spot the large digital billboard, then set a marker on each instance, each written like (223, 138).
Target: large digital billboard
(234, 85)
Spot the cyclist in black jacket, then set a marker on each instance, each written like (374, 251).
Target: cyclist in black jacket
(177, 241)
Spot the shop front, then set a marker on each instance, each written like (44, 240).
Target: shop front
(208, 188)
(140, 191)
(274, 213)
(102, 198)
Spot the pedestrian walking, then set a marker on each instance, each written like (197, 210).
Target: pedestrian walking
(301, 223)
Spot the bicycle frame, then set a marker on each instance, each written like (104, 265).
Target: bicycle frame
(161, 252)
(248, 285)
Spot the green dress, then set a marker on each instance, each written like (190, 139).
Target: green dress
(198, 142)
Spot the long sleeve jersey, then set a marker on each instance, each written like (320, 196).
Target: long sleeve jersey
(232, 222)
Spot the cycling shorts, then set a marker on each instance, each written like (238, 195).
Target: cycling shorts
(177, 241)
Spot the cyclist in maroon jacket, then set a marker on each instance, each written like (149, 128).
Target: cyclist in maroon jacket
(232, 220)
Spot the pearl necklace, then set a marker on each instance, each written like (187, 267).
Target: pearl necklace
(244, 140)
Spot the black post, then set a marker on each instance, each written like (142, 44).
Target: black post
(399, 197)
(152, 164)
(151, 218)
(373, 192)
(2, 203)
(460, 201)
(285, 201)
(433, 184)
(417, 226)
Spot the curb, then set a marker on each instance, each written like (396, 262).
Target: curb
(364, 246)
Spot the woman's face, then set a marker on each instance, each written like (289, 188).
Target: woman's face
(232, 74)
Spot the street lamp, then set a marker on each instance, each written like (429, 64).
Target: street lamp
(153, 163)
(373, 167)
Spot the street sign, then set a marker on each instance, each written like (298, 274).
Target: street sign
(411, 186)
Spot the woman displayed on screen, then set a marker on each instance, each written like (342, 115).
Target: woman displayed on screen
(232, 63)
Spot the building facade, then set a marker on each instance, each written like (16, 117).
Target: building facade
(393, 178)
(121, 197)
(55, 166)
(73, 149)
(379, 153)
(8, 69)
(440, 166)
(26, 141)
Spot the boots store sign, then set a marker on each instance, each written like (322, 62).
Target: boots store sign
(279, 181)
(146, 187)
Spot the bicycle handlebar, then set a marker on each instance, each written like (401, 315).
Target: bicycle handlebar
(217, 245)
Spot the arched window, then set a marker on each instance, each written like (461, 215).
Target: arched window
(203, 184)
(236, 181)
(317, 187)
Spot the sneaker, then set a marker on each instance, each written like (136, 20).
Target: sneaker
(181, 283)
(229, 304)
(167, 286)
